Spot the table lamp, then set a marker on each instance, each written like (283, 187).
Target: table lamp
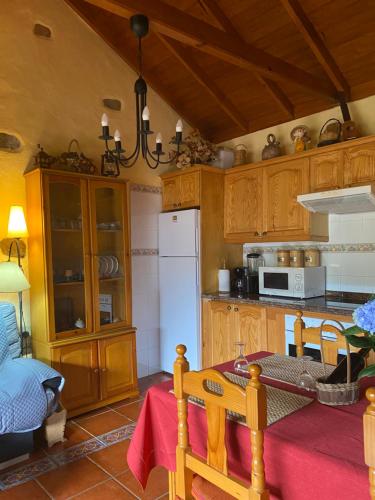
(12, 278)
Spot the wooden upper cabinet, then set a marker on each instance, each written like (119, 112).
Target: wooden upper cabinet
(359, 164)
(78, 364)
(326, 171)
(242, 205)
(117, 365)
(181, 190)
(283, 215)
(171, 192)
(189, 190)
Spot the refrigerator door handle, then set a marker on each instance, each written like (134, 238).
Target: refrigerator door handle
(196, 241)
(197, 273)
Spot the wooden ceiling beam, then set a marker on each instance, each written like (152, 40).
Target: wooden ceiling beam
(185, 56)
(316, 44)
(130, 59)
(213, 9)
(190, 30)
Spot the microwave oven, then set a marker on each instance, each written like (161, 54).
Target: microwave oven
(299, 282)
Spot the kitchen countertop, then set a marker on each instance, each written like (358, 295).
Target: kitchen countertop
(339, 304)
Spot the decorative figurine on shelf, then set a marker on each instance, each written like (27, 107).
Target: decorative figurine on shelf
(300, 136)
(43, 159)
(196, 150)
(272, 149)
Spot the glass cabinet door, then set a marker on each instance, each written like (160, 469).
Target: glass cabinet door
(110, 239)
(69, 256)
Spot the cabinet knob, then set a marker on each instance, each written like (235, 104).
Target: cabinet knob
(256, 233)
(179, 204)
(96, 370)
(236, 309)
(229, 308)
(104, 369)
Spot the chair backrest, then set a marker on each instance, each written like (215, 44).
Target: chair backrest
(250, 402)
(369, 438)
(9, 320)
(311, 335)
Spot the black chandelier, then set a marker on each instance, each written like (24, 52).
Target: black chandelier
(113, 158)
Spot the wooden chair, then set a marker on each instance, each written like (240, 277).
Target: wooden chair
(369, 438)
(311, 335)
(212, 480)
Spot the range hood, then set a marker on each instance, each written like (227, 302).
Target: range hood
(340, 201)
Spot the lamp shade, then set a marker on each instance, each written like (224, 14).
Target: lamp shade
(12, 278)
(17, 224)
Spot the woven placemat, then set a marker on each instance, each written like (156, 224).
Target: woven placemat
(280, 403)
(288, 369)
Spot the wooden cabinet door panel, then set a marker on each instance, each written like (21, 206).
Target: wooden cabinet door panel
(282, 183)
(78, 364)
(326, 171)
(117, 366)
(189, 190)
(171, 193)
(222, 332)
(243, 206)
(250, 322)
(359, 165)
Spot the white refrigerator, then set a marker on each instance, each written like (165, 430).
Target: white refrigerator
(179, 275)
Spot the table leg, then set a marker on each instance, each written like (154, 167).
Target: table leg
(172, 485)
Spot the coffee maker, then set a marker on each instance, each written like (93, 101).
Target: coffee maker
(240, 281)
(254, 261)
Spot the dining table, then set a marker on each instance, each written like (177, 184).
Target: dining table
(313, 453)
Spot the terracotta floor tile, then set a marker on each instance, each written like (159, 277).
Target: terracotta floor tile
(157, 484)
(30, 490)
(145, 383)
(91, 413)
(105, 422)
(125, 402)
(73, 434)
(109, 490)
(112, 458)
(131, 411)
(72, 478)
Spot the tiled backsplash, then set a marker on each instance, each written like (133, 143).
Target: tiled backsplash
(349, 255)
(145, 207)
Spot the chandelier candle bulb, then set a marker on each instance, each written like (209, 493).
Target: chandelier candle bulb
(179, 131)
(104, 120)
(117, 136)
(105, 127)
(146, 118)
(159, 144)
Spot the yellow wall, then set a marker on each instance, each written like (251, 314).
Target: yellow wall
(51, 91)
(362, 112)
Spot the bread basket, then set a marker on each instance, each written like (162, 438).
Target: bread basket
(336, 394)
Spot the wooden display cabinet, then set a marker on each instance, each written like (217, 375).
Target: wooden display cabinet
(79, 266)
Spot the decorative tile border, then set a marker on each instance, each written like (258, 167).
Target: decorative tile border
(144, 188)
(323, 247)
(34, 469)
(138, 252)
(26, 473)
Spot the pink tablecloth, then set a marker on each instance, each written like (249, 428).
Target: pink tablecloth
(314, 453)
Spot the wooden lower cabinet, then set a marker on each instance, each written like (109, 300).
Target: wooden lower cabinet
(117, 365)
(78, 364)
(97, 371)
(225, 323)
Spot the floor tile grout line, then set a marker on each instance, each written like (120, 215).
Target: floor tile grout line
(88, 432)
(89, 488)
(42, 487)
(113, 477)
(127, 404)
(105, 409)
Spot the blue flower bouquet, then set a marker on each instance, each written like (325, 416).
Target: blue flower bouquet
(362, 335)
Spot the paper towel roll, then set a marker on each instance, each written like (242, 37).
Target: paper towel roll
(224, 280)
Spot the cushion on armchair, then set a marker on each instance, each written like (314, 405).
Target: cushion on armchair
(9, 320)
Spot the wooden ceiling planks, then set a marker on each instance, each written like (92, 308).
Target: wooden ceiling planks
(222, 86)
